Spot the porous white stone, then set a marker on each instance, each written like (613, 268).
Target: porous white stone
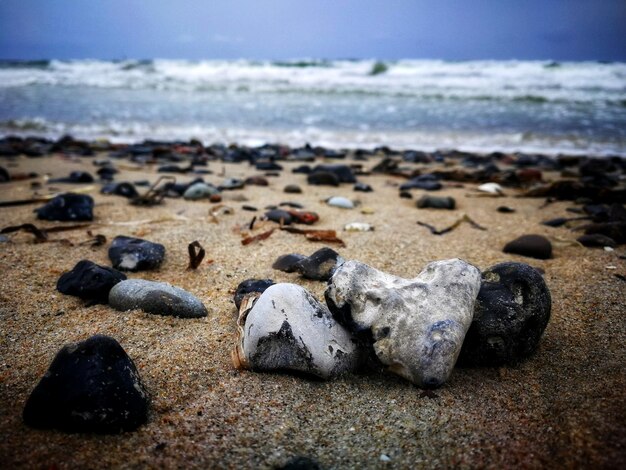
(417, 325)
(288, 329)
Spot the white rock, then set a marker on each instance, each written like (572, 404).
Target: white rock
(418, 325)
(491, 188)
(358, 227)
(339, 201)
(288, 329)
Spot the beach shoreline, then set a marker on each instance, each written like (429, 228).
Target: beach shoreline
(563, 407)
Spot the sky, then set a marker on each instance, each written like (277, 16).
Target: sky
(329, 29)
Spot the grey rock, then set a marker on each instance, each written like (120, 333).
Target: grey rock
(158, 298)
(418, 325)
(435, 202)
(286, 328)
(199, 191)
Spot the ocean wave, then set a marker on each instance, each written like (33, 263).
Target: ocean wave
(481, 142)
(526, 81)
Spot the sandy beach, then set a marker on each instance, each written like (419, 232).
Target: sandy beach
(565, 407)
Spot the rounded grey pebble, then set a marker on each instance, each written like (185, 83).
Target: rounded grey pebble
(158, 298)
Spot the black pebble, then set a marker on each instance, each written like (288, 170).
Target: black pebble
(92, 386)
(287, 263)
(126, 190)
(596, 240)
(135, 254)
(343, 172)
(89, 281)
(293, 189)
(74, 177)
(512, 310)
(4, 175)
(67, 207)
(558, 222)
(246, 207)
(533, 246)
(505, 209)
(326, 178)
(300, 463)
(320, 265)
(278, 215)
(406, 195)
(363, 187)
(250, 285)
(434, 202)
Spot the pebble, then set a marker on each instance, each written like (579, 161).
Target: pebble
(67, 207)
(417, 325)
(511, 313)
(491, 188)
(339, 201)
(358, 227)
(435, 202)
(363, 187)
(596, 240)
(279, 216)
(257, 181)
(300, 463)
(159, 298)
(250, 285)
(126, 190)
(4, 175)
(75, 177)
(505, 210)
(89, 281)
(231, 184)
(323, 178)
(288, 329)
(92, 387)
(425, 182)
(199, 190)
(287, 263)
(320, 265)
(406, 195)
(292, 189)
(135, 254)
(532, 246)
(343, 172)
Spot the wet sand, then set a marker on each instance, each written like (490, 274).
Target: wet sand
(563, 408)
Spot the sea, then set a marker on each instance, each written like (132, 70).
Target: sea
(481, 106)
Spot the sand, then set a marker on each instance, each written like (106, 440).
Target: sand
(563, 408)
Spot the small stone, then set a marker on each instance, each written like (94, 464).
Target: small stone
(491, 188)
(367, 211)
(250, 285)
(596, 240)
(323, 178)
(248, 208)
(288, 329)
(92, 386)
(231, 184)
(126, 190)
(75, 177)
(199, 191)
(533, 246)
(89, 281)
(159, 298)
(358, 227)
(135, 254)
(339, 201)
(511, 313)
(293, 189)
(288, 263)
(4, 175)
(300, 463)
(505, 210)
(257, 181)
(434, 202)
(385, 458)
(362, 187)
(558, 222)
(417, 325)
(406, 195)
(425, 182)
(343, 172)
(279, 216)
(67, 207)
(215, 198)
(320, 265)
